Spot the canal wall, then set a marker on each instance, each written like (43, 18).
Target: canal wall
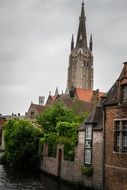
(71, 170)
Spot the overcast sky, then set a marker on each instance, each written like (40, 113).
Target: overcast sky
(35, 40)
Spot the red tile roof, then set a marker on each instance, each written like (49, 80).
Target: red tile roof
(84, 94)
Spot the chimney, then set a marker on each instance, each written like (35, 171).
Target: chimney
(41, 100)
(95, 96)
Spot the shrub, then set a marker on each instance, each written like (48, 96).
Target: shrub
(87, 170)
(21, 144)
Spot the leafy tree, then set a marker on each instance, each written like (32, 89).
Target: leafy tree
(60, 124)
(56, 113)
(22, 144)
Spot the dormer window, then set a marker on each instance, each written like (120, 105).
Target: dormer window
(124, 93)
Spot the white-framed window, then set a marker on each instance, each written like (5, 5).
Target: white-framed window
(88, 145)
(88, 132)
(120, 135)
(88, 156)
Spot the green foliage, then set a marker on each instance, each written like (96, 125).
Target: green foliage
(87, 170)
(60, 124)
(22, 144)
(68, 136)
(54, 114)
(51, 139)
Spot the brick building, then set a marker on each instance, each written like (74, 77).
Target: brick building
(34, 110)
(88, 154)
(115, 135)
(90, 146)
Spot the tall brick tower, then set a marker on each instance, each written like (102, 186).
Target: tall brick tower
(80, 70)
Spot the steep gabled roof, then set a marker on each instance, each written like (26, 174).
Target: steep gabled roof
(37, 107)
(95, 118)
(112, 95)
(51, 99)
(78, 106)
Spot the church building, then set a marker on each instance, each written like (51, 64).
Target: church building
(80, 69)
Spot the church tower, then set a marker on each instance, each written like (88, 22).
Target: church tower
(80, 70)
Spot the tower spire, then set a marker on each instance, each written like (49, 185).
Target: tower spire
(81, 37)
(56, 91)
(72, 42)
(80, 68)
(91, 43)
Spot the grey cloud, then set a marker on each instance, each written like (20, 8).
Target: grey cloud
(35, 45)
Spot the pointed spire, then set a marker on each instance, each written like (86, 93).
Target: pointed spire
(56, 91)
(82, 11)
(67, 91)
(91, 43)
(81, 37)
(72, 42)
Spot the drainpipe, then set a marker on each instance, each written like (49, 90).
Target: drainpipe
(103, 151)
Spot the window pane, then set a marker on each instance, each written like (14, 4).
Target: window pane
(88, 132)
(124, 125)
(117, 125)
(125, 141)
(88, 144)
(125, 93)
(87, 156)
(118, 141)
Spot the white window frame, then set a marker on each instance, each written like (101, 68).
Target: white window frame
(120, 136)
(88, 145)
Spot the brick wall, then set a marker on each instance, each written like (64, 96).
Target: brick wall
(2, 121)
(95, 181)
(71, 171)
(115, 163)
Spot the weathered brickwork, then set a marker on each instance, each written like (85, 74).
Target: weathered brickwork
(2, 121)
(115, 163)
(71, 171)
(95, 181)
(97, 159)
